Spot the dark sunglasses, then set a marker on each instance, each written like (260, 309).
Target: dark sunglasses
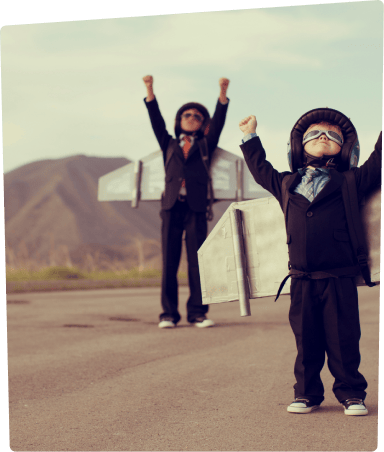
(188, 115)
(313, 134)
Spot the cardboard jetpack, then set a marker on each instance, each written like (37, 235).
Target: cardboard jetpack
(144, 180)
(246, 256)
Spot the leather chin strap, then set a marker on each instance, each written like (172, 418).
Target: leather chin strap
(319, 162)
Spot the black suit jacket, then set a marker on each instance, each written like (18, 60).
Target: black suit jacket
(191, 169)
(317, 231)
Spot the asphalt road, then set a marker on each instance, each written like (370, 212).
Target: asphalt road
(91, 371)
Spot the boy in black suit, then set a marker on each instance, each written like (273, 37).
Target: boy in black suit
(324, 312)
(184, 202)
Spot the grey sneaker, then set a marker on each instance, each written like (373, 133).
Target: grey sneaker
(301, 405)
(354, 407)
(203, 322)
(167, 324)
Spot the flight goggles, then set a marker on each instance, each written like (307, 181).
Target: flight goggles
(313, 134)
(195, 116)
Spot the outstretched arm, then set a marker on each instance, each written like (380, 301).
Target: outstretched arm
(218, 119)
(157, 121)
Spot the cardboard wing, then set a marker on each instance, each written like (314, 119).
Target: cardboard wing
(246, 256)
(117, 185)
(370, 212)
(152, 177)
(226, 271)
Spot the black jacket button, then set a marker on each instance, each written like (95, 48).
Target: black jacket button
(309, 214)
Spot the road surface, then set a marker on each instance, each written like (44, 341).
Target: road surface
(91, 371)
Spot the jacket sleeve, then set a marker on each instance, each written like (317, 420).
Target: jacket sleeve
(261, 170)
(158, 125)
(216, 125)
(368, 175)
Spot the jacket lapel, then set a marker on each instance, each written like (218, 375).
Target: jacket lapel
(178, 150)
(193, 148)
(333, 184)
(294, 180)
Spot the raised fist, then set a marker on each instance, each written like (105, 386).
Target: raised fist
(248, 124)
(224, 82)
(148, 80)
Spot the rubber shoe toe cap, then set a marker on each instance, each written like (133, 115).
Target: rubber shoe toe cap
(205, 323)
(301, 406)
(355, 408)
(166, 324)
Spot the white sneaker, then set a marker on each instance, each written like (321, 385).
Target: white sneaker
(166, 324)
(354, 407)
(303, 406)
(204, 323)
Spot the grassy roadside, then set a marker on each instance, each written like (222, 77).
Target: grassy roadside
(64, 278)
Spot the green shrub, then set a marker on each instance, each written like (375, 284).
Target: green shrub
(60, 273)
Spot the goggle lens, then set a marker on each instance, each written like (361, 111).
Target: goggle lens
(188, 115)
(313, 134)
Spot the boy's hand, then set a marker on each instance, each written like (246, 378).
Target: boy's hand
(148, 80)
(223, 83)
(248, 125)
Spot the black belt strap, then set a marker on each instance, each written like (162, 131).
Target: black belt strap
(334, 273)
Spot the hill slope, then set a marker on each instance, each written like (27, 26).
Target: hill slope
(52, 216)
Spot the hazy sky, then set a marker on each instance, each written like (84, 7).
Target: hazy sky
(76, 87)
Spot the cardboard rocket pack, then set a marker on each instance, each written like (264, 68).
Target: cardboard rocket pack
(246, 256)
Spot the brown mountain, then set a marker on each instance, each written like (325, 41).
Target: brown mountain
(52, 216)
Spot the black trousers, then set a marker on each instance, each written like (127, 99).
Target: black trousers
(174, 222)
(324, 316)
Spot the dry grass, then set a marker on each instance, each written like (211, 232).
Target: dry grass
(140, 260)
(60, 273)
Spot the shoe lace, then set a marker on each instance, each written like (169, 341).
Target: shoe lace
(354, 402)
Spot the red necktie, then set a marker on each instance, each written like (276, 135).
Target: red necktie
(186, 148)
